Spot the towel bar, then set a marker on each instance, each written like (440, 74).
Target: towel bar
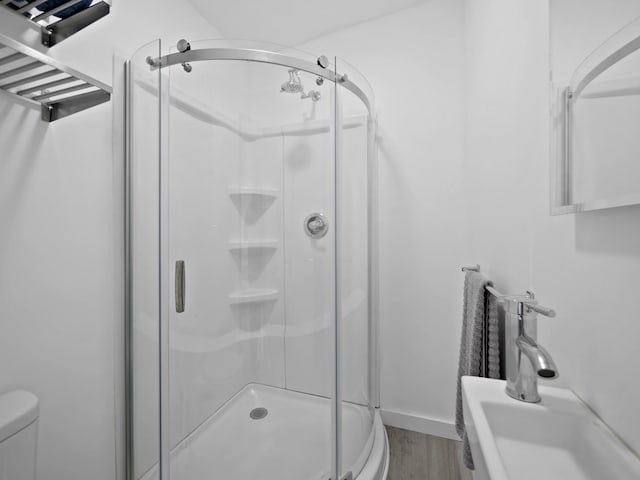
(71, 16)
(532, 305)
(42, 82)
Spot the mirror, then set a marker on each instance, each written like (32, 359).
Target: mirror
(595, 104)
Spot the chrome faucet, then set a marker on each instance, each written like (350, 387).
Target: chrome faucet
(525, 359)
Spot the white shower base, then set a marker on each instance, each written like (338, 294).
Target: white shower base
(293, 442)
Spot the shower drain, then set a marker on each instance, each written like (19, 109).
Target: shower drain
(258, 413)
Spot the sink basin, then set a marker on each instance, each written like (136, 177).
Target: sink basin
(556, 439)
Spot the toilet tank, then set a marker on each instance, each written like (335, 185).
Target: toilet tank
(18, 435)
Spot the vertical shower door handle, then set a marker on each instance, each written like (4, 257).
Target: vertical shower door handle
(180, 286)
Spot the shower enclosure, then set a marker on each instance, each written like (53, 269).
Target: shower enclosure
(252, 339)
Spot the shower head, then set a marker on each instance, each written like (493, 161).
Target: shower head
(294, 84)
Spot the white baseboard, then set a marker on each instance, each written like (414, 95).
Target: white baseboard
(417, 423)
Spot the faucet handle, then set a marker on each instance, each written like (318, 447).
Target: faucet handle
(547, 312)
(532, 306)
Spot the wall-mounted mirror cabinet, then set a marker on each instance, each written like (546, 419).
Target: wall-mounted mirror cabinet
(595, 104)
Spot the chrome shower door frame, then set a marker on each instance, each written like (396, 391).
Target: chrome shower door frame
(326, 73)
(262, 56)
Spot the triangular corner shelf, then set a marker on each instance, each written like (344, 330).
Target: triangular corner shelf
(253, 295)
(241, 245)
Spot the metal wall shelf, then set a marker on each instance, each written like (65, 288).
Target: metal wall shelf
(53, 29)
(39, 81)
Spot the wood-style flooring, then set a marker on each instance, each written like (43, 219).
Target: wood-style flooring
(416, 456)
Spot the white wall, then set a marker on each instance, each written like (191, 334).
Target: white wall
(306, 140)
(462, 92)
(61, 307)
(414, 62)
(585, 266)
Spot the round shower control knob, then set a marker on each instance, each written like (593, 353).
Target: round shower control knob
(316, 225)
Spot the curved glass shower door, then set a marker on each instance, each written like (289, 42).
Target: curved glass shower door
(251, 300)
(252, 340)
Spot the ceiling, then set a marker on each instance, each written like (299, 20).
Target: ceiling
(291, 22)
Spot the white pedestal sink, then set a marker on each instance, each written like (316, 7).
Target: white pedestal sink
(556, 439)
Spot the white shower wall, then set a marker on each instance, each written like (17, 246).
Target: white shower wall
(310, 264)
(287, 342)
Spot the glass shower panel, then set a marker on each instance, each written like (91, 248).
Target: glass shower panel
(354, 131)
(248, 396)
(309, 170)
(143, 387)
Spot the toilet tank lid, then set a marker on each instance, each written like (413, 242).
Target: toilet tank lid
(18, 409)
